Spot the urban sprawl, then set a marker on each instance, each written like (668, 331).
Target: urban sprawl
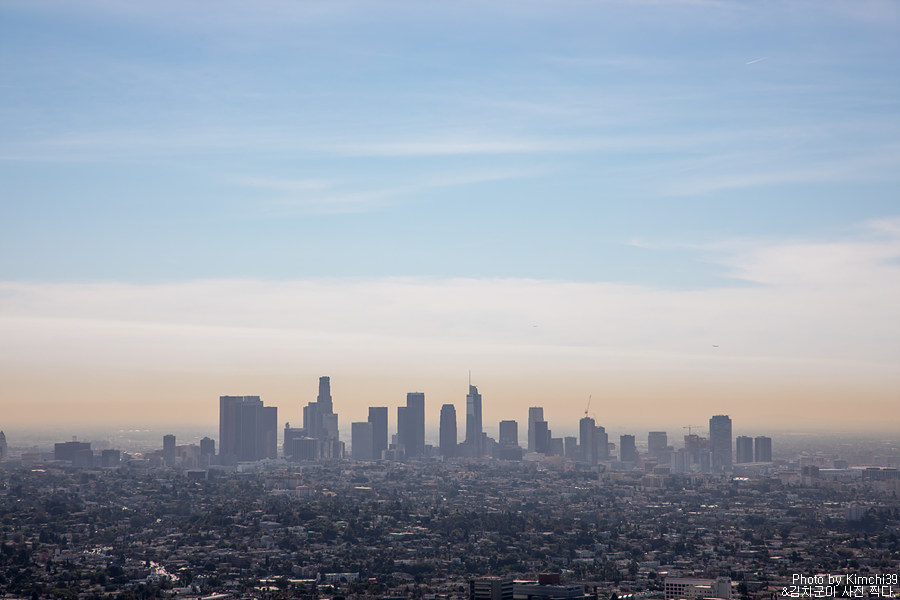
(481, 519)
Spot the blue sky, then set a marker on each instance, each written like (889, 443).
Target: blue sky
(676, 147)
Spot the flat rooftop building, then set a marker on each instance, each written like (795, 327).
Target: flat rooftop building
(688, 588)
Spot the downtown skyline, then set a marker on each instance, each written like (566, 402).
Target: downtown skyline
(684, 208)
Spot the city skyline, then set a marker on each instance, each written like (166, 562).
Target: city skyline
(678, 209)
(248, 434)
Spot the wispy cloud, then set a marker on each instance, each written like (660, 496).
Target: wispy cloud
(881, 164)
(285, 196)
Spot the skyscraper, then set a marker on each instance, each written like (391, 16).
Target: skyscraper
(207, 451)
(762, 449)
(657, 441)
(320, 423)
(362, 446)
(411, 425)
(326, 407)
(542, 437)
(535, 414)
(312, 420)
(448, 437)
(509, 433)
(570, 447)
(415, 402)
(291, 438)
(247, 429)
(378, 417)
(474, 427)
(720, 443)
(169, 450)
(627, 448)
(330, 426)
(743, 446)
(586, 439)
(3, 449)
(319, 419)
(228, 427)
(601, 443)
(403, 429)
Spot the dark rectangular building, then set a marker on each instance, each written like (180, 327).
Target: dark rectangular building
(247, 429)
(378, 417)
(743, 449)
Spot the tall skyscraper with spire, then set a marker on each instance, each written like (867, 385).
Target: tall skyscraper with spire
(474, 426)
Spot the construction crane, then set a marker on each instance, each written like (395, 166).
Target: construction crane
(588, 407)
(689, 427)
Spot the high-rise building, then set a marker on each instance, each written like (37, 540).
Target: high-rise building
(627, 449)
(207, 451)
(415, 403)
(720, 443)
(601, 443)
(762, 449)
(586, 428)
(3, 449)
(306, 448)
(169, 450)
(557, 446)
(542, 436)
(743, 449)
(570, 447)
(509, 433)
(330, 426)
(474, 427)
(247, 429)
(312, 420)
(70, 450)
(411, 425)
(78, 453)
(362, 447)
(657, 442)
(320, 423)
(326, 406)
(289, 448)
(403, 428)
(448, 437)
(535, 414)
(378, 417)
(319, 419)
(228, 427)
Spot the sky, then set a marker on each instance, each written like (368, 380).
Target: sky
(675, 209)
